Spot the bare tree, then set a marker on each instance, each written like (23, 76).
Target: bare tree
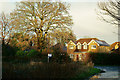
(22, 41)
(41, 17)
(109, 11)
(62, 36)
(6, 28)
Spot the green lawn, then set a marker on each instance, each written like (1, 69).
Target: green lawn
(90, 72)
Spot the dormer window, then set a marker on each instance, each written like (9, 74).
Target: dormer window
(84, 45)
(117, 46)
(71, 46)
(66, 44)
(78, 45)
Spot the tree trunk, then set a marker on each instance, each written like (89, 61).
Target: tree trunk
(40, 40)
(3, 41)
(8, 41)
(38, 43)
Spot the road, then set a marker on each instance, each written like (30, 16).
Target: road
(111, 73)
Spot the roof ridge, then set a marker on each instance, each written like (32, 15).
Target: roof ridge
(115, 42)
(87, 38)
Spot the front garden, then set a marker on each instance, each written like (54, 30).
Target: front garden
(26, 65)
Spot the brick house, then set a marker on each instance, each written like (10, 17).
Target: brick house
(115, 47)
(79, 50)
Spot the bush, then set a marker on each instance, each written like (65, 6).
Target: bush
(105, 58)
(8, 50)
(32, 53)
(21, 53)
(88, 73)
(60, 57)
(44, 58)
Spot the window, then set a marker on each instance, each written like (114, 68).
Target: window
(117, 46)
(93, 46)
(80, 57)
(71, 47)
(66, 44)
(71, 56)
(79, 46)
(84, 56)
(85, 46)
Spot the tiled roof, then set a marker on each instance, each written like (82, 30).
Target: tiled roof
(87, 40)
(102, 43)
(113, 45)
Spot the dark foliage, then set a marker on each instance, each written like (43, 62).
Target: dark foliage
(116, 51)
(8, 50)
(43, 70)
(60, 57)
(28, 53)
(105, 58)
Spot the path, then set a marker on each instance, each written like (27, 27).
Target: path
(111, 73)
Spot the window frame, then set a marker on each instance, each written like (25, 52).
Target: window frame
(79, 46)
(71, 55)
(85, 46)
(93, 46)
(71, 46)
(80, 56)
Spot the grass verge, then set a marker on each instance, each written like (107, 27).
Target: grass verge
(87, 74)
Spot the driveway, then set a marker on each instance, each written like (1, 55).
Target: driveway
(111, 73)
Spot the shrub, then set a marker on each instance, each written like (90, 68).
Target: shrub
(22, 53)
(44, 58)
(105, 58)
(88, 73)
(60, 57)
(8, 50)
(32, 53)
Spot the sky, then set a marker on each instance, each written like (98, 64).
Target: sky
(85, 18)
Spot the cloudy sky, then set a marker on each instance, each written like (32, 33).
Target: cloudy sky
(86, 22)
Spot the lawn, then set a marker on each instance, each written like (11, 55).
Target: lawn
(88, 73)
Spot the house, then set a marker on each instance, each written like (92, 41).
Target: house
(79, 50)
(115, 47)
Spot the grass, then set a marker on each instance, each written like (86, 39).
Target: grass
(88, 73)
